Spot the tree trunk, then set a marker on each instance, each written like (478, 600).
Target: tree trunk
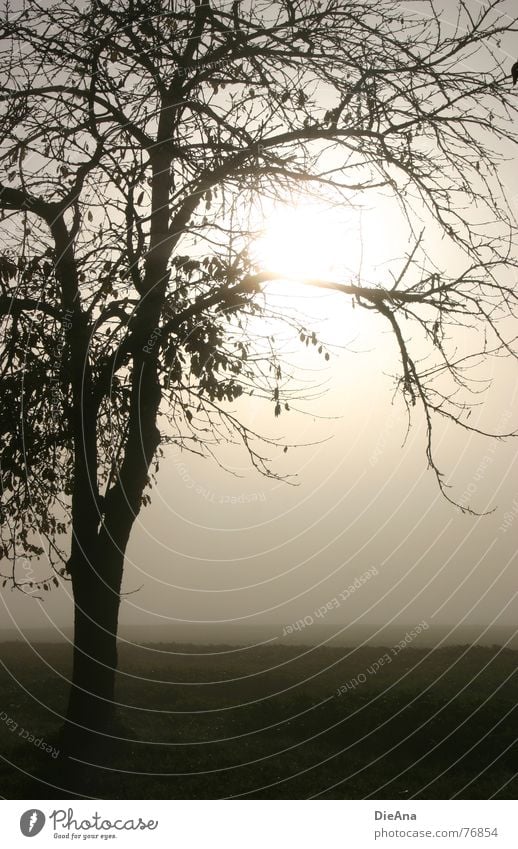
(97, 568)
(91, 711)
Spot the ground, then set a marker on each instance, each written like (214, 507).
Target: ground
(214, 722)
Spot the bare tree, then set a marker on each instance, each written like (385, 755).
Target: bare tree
(136, 137)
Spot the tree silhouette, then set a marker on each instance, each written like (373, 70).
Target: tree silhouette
(136, 138)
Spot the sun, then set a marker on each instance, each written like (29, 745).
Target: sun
(302, 241)
(338, 243)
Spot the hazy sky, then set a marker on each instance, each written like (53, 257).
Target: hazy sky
(216, 548)
(213, 547)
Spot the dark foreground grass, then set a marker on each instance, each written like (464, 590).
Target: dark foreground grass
(217, 722)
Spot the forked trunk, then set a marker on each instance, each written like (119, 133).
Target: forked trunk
(97, 568)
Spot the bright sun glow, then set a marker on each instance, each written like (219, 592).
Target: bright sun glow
(304, 241)
(342, 244)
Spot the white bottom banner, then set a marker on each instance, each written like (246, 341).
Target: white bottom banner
(256, 824)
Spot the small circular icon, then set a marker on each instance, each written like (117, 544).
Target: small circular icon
(31, 822)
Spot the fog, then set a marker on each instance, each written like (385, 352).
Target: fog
(222, 558)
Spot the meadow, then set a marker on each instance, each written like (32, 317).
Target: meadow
(212, 722)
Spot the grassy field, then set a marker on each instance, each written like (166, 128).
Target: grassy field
(217, 722)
